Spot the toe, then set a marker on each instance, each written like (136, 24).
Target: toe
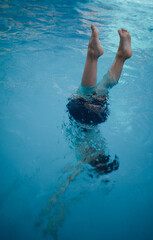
(119, 32)
(124, 30)
(95, 32)
(93, 28)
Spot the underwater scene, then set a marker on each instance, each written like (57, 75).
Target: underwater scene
(61, 179)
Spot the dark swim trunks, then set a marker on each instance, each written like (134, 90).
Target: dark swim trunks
(89, 105)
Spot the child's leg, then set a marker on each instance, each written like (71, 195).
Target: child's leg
(95, 50)
(124, 52)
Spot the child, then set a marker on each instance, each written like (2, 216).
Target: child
(88, 108)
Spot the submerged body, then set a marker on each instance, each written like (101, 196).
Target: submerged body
(88, 107)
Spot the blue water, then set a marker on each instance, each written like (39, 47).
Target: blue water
(42, 54)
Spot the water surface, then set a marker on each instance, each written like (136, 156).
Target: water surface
(42, 54)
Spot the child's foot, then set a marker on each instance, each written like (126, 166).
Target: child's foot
(124, 50)
(95, 50)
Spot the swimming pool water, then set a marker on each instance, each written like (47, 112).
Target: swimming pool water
(42, 54)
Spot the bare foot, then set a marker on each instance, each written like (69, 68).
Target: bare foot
(124, 50)
(95, 50)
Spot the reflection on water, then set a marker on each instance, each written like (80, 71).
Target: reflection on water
(29, 22)
(42, 49)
